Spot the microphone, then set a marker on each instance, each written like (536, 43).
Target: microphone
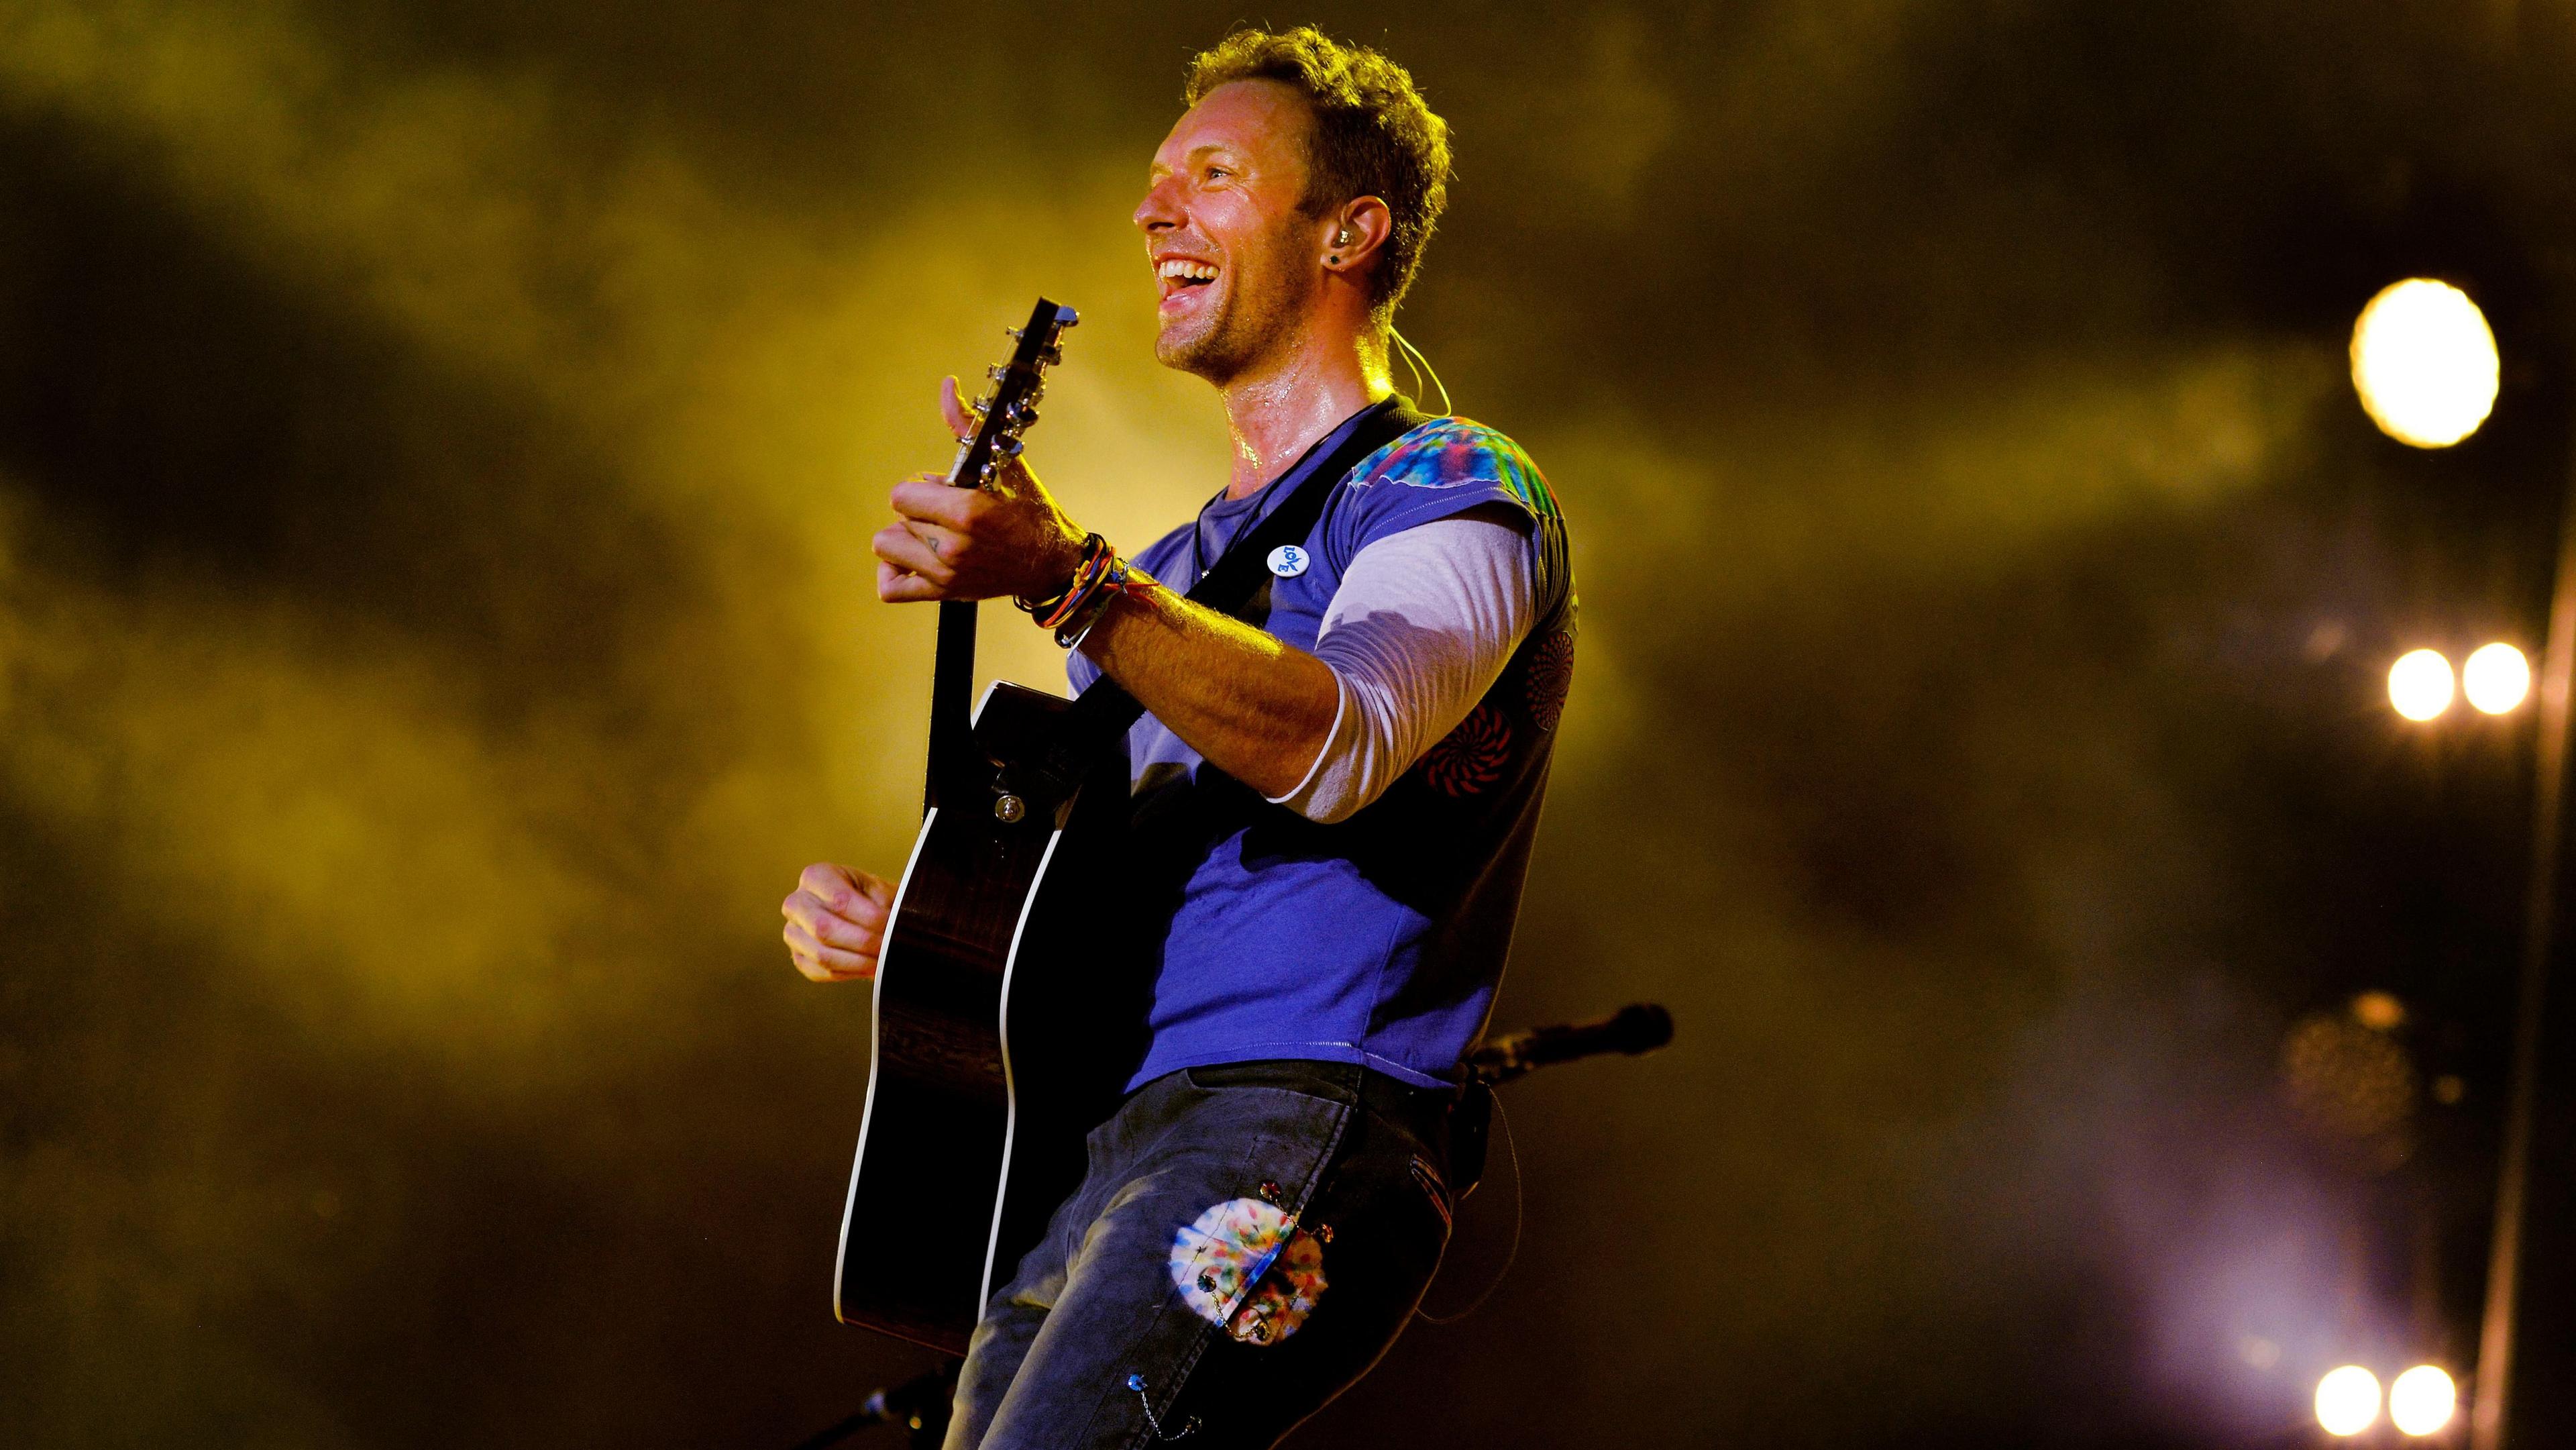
(1638, 1027)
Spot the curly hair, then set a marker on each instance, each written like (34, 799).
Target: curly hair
(1373, 135)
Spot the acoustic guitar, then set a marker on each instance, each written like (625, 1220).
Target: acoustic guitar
(983, 1075)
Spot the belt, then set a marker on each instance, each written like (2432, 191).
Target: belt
(1420, 1111)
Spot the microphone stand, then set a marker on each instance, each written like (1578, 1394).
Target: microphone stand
(920, 1405)
(1633, 1029)
(1636, 1028)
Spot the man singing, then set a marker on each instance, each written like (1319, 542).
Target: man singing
(1347, 787)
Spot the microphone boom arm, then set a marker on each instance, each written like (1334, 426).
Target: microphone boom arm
(1637, 1028)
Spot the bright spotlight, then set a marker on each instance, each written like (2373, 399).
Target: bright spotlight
(2422, 1399)
(2496, 678)
(2347, 1400)
(2424, 363)
(2419, 684)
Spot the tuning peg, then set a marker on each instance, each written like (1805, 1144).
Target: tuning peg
(1023, 414)
(1066, 317)
(1050, 357)
(983, 404)
(1011, 332)
(1007, 445)
(997, 372)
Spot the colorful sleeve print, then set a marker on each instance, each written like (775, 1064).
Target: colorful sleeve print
(1446, 466)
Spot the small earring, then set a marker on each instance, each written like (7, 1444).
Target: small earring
(1335, 259)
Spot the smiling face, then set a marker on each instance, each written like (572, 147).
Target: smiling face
(1234, 255)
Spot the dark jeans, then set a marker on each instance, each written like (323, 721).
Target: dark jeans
(1246, 1242)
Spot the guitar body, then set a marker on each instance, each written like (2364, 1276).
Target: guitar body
(1008, 1005)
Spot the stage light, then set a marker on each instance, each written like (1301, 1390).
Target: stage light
(2424, 363)
(2379, 1011)
(2419, 684)
(2496, 678)
(2347, 1400)
(2422, 1399)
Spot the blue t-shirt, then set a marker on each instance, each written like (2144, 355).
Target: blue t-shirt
(1379, 939)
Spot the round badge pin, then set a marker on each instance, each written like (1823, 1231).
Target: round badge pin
(1288, 561)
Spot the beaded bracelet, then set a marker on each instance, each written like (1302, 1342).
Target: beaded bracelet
(1117, 580)
(1096, 564)
(1094, 551)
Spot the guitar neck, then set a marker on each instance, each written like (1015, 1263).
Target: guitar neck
(1002, 414)
(952, 699)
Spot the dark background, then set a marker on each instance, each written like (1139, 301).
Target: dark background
(438, 445)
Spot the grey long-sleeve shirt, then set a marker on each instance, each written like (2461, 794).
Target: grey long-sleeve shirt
(1423, 624)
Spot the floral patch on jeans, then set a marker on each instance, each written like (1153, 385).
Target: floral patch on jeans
(1244, 1266)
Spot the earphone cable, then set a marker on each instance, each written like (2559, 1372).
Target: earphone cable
(1417, 364)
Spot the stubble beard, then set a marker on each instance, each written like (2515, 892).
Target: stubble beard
(1258, 315)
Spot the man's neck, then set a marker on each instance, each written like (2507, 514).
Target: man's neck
(1277, 410)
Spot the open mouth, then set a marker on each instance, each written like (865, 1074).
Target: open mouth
(1180, 277)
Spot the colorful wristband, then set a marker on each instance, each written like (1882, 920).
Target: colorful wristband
(1095, 550)
(1120, 580)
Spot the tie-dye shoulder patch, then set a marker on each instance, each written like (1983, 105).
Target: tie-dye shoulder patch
(1244, 1266)
(1455, 453)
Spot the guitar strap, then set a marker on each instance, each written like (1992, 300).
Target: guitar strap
(1105, 710)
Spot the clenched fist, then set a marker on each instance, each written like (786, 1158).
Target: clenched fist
(836, 920)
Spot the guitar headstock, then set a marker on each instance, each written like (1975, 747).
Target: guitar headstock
(1010, 407)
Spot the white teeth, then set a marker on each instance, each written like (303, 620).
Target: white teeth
(1181, 268)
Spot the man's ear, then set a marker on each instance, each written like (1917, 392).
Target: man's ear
(1355, 233)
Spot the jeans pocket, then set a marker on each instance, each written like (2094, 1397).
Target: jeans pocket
(1329, 1081)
